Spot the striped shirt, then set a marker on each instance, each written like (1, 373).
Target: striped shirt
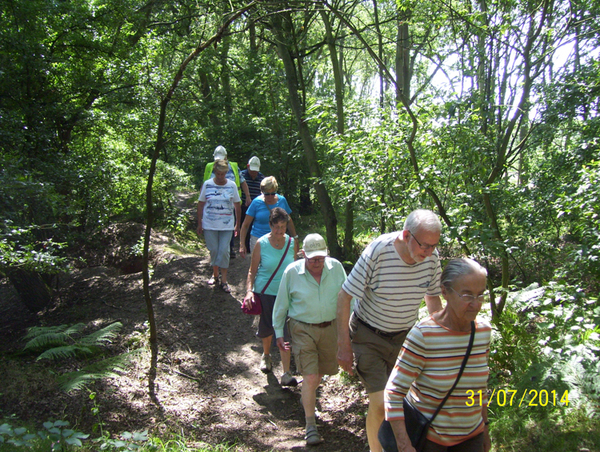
(253, 185)
(387, 289)
(429, 364)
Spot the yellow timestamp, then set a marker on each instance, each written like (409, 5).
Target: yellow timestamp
(530, 397)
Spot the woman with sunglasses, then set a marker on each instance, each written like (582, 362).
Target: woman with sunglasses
(258, 215)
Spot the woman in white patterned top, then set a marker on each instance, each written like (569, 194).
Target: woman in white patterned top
(219, 215)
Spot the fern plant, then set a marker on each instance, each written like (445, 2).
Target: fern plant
(106, 368)
(57, 343)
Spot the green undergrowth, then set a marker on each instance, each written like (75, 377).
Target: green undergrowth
(544, 367)
(58, 436)
(186, 244)
(516, 430)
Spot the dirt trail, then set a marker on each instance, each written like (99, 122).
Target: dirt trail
(208, 382)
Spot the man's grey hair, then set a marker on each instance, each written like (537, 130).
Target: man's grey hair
(457, 268)
(422, 220)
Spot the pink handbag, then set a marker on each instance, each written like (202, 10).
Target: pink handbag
(255, 306)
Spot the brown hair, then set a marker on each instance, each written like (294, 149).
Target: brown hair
(278, 215)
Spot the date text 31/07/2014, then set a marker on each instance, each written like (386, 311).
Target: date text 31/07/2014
(506, 397)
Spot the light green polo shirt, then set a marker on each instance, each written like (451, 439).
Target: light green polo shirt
(301, 298)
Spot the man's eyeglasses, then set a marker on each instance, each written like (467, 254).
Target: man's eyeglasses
(468, 298)
(423, 247)
(316, 260)
(270, 194)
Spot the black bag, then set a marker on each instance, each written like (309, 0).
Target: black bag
(416, 422)
(417, 425)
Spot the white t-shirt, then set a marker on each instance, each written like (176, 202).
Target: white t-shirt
(219, 211)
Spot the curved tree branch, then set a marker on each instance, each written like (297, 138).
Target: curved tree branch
(158, 146)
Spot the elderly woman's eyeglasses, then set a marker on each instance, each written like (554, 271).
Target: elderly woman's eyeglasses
(270, 194)
(468, 298)
(423, 247)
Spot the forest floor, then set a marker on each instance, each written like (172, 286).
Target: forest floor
(209, 386)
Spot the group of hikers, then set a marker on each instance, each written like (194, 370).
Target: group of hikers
(364, 322)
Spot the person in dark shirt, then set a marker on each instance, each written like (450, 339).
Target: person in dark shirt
(253, 178)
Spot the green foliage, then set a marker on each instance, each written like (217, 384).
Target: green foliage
(115, 177)
(582, 209)
(514, 429)
(40, 338)
(156, 444)
(57, 342)
(38, 256)
(363, 166)
(55, 437)
(105, 368)
(128, 442)
(60, 343)
(547, 339)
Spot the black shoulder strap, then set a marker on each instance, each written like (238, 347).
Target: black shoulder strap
(460, 372)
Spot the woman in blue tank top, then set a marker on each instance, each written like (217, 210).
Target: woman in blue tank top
(264, 277)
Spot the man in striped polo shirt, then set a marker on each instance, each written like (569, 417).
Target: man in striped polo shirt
(391, 277)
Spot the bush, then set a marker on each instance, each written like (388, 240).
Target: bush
(547, 343)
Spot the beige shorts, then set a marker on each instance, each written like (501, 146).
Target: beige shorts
(374, 356)
(314, 348)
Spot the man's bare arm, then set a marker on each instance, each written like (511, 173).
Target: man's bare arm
(345, 355)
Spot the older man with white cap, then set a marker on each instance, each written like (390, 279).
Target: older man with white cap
(234, 174)
(308, 296)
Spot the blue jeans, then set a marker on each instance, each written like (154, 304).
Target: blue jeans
(217, 243)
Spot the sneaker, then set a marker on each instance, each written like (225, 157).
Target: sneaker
(288, 380)
(312, 436)
(265, 363)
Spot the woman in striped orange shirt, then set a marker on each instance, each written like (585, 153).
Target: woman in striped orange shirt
(429, 363)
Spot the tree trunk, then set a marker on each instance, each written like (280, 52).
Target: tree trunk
(379, 54)
(285, 53)
(341, 126)
(403, 71)
(226, 76)
(33, 288)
